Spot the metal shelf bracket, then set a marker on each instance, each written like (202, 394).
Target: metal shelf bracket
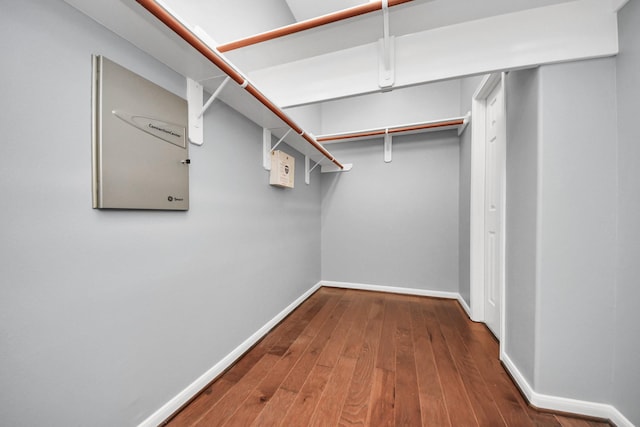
(386, 69)
(388, 145)
(324, 168)
(465, 122)
(307, 170)
(267, 149)
(195, 96)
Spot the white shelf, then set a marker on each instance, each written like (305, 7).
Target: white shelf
(134, 23)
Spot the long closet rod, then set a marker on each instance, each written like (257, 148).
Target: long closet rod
(308, 24)
(391, 130)
(170, 21)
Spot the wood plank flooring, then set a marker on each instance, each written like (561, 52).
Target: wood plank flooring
(355, 358)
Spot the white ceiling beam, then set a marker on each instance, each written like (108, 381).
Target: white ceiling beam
(563, 32)
(616, 5)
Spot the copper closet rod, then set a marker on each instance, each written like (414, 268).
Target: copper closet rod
(170, 21)
(308, 24)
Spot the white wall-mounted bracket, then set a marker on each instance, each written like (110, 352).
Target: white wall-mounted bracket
(307, 170)
(465, 123)
(388, 144)
(213, 97)
(195, 96)
(386, 76)
(325, 168)
(331, 168)
(194, 106)
(386, 68)
(267, 149)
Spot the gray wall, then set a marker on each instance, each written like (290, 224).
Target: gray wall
(577, 226)
(107, 315)
(561, 227)
(572, 232)
(626, 378)
(468, 86)
(434, 101)
(521, 218)
(394, 224)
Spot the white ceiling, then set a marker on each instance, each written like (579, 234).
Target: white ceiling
(307, 9)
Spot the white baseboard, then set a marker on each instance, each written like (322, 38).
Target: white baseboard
(391, 289)
(400, 290)
(562, 404)
(465, 306)
(183, 397)
(538, 400)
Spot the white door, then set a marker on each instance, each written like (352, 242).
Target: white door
(494, 207)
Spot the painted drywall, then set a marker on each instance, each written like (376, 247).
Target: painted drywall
(308, 117)
(521, 90)
(468, 87)
(626, 376)
(107, 315)
(433, 101)
(577, 226)
(394, 224)
(228, 21)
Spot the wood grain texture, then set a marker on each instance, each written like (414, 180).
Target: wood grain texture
(356, 358)
(434, 410)
(357, 402)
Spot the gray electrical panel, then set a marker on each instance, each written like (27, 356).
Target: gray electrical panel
(140, 144)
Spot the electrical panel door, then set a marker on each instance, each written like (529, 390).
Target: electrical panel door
(140, 144)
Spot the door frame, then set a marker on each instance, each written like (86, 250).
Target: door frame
(477, 220)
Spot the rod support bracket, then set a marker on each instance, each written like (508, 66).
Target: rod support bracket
(465, 123)
(388, 144)
(195, 109)
(324, 168)
(386, 53)
(386, 64)
(308, 170)
(331, 168)
(195, 93)
(266, 147)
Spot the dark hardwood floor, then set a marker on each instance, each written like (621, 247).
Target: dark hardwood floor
(355, 358)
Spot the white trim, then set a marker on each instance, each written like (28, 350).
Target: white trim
(477, 220)
(562, 404)
(465, 306)
(400, 291)
(478, 173)
(391, 289)
(503, 220)
(195, 387)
